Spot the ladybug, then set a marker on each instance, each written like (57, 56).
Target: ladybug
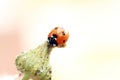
(58, 37)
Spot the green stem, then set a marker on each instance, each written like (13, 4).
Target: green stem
(26, 76)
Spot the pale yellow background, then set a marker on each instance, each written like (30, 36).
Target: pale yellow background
(93, 49)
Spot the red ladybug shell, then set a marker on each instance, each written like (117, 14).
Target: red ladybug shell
(61, 36)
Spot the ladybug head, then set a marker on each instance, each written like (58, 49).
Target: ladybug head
(53, 40)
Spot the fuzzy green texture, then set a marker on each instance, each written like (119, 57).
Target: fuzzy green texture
(35, 63)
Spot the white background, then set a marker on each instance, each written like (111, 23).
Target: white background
(93, 49)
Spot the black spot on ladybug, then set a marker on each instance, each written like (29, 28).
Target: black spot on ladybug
(55, 36)
(63, 41)
(63, 33)
(56, 28)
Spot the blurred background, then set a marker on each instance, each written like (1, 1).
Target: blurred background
(93, 49)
